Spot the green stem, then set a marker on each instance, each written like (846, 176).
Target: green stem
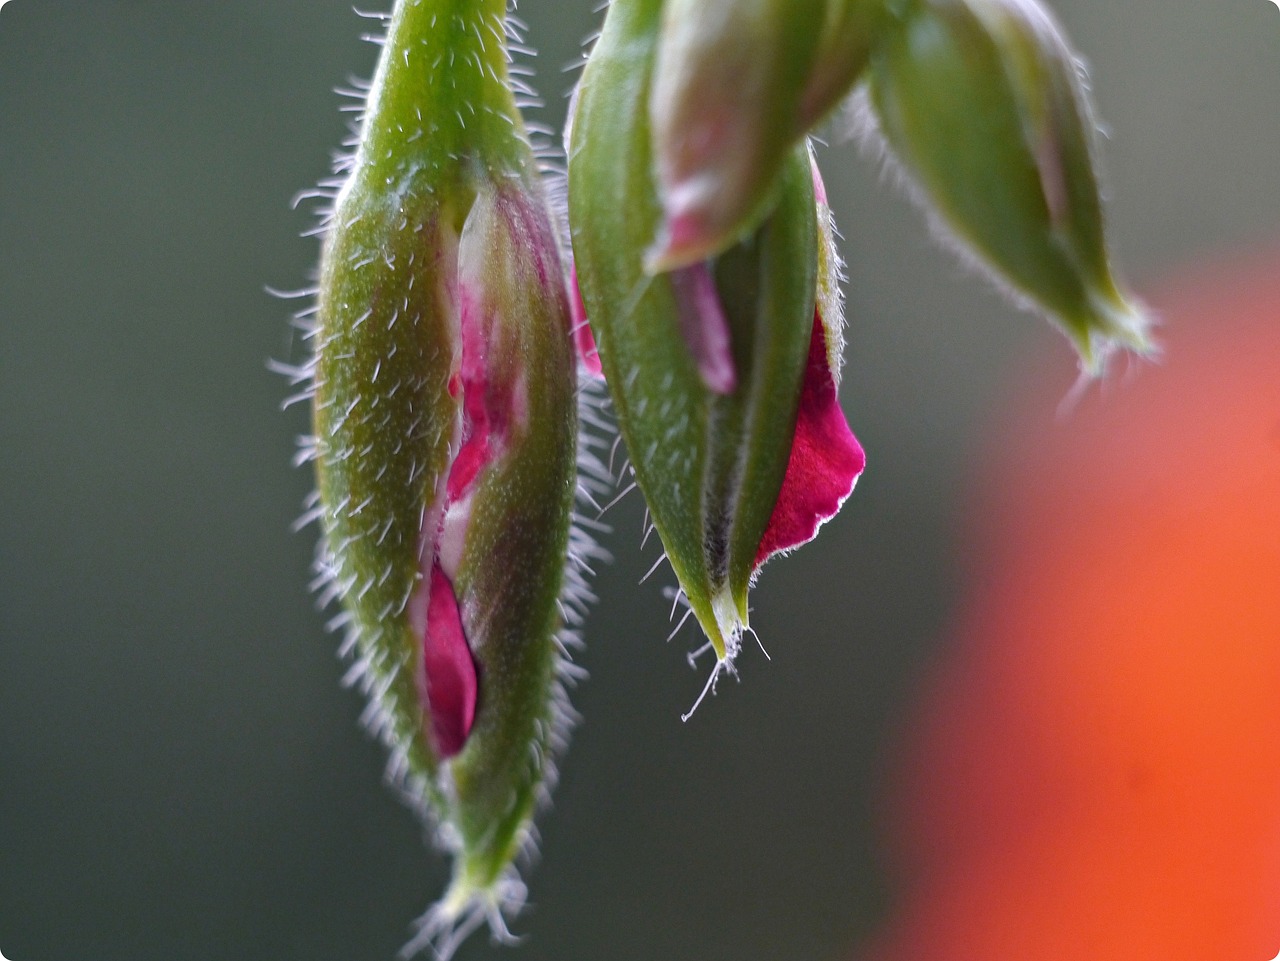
(441, 95)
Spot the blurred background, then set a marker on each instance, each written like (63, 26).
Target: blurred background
(181, 775)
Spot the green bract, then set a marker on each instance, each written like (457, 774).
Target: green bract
(445, 425)
(983, 103)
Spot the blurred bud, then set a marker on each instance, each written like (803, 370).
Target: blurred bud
(719, 374)
(737, 85)
(445, 425)
(848, 31)
(984, 104)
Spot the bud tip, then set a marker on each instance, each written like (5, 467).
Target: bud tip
(1119, 323)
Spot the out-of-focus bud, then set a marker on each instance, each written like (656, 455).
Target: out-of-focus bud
(445, 421)
(721, 379)
(984, 104)
(737, 85)
(848, 31)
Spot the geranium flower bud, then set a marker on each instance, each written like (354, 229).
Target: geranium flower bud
(983, 103)
(445, 424)
(721, 376)
(737, 85)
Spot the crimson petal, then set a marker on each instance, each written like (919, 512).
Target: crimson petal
(825, 460)
(450, 670)
(583, 339)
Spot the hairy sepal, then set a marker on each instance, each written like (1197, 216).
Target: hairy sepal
(509, 575)
(445, 422)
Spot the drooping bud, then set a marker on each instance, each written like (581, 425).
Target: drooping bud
(738, 83)
(708, 366)
(445, 424)
(984, 104)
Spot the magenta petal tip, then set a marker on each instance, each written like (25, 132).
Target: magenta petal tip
(451, 680)
(825, 460)
(584, 340)
(704, 326)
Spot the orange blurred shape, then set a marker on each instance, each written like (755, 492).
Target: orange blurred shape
(1093, 772)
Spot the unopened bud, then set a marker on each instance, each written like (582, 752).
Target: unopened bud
(445, 424)
(711, 367)
(983, 103)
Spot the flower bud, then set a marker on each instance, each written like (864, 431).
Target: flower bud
(737, 85)
(983, 103)
(720, 376)
(445, 424)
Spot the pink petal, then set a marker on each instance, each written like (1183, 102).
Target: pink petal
(583, 339)
(819, 188)
(473, 456)
(825, 462)
(451, 678)
(704, 326)
(489, 399)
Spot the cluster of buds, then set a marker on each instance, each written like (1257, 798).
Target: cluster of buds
(706, 291)
(982, 103)
(703, 253)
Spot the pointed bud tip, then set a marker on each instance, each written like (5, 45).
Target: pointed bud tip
(730, 619)
(1117, 323)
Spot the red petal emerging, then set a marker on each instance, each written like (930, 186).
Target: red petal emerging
(826, 459)
(473, 456)
(582, 336)
(449, 667)
(489, 397)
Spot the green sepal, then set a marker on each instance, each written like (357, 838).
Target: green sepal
(849, 30)
(509, 578)
(384, 422)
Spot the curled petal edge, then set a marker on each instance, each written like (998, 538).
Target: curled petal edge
(825, 461)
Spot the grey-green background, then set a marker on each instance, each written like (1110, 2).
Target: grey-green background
(181, 776)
